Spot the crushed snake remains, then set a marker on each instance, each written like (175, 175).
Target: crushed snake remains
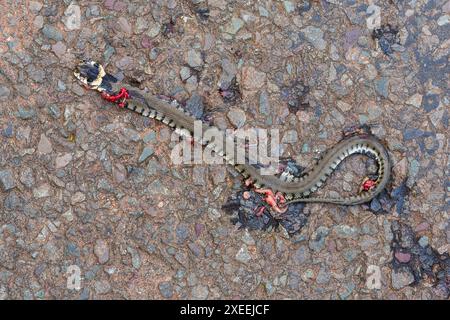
(278, 191)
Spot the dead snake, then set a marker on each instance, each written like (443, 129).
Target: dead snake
(93, 76)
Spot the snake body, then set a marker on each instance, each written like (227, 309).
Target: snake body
(92, 75)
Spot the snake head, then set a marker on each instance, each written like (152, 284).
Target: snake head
(93, 76)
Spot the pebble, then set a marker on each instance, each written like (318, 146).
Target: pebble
(185, 73)
(135, 257)
(195, 105)
(78, 197)
(44, 146)
(290, 137)
(154, 29)
(101, 250)
(302, 255)
(430, 102)
(402, 257)
(423, 241)
(264, 104)
(243, 254)
(382, 87)
(200, 292)
(4, 93)
(233, 26)
(52, 33)
(166, 289)
(7, 180)
(346, 231)
(102, 287)
(198, 176)
(252, 79)
(62, 161)
(317, 241)
(194, 59)
(124, 25)
(72, 17)
(35, 6)
(443, 20)
(415, 100)
(27, 177)
(42, 191)
(146, 152)
(38, 22)
(59, 49)
(401, 278)
(237, 117)
(26, 113)
(315, 37)
(288, 6)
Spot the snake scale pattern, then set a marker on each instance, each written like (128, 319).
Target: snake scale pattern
(92, 75)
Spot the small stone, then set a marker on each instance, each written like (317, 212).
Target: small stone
(243, 254)
(146, 152)
(166, 289)
(59, 49)
(135, 257)
(72, 17)
(344, 106)
(185, 73)
(290, 137)
(153, 29)
(195, 105)
(402, 257)
(42, 191)
(415, 100)
(288, 6)
(401, 278)
(63, 160)
(323, 276)
(102, 287)
(7, 180)
(264, 105)
(194, 59)
(346, 231)
(317, 241)
(430, 102)
(26, 114)
(302, 255)
(237, 117)
(200, 292)
(26, 177)
(315, 37)
(252, 79)
(78, 197)
(234, 26)
(52, 33)
(263, 11)
(149, 137)
(423, 241)
(382, 87)
(350, 254)
(443, 20)
(4, 93)
(375, 205)
(198, 176)
(44, 146)
(38, 22)
(123, 25)
(101, 250)
(35, 6)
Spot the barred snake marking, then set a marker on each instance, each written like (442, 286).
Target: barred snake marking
(293, 189)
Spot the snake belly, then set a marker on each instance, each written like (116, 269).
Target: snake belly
(294, 189)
